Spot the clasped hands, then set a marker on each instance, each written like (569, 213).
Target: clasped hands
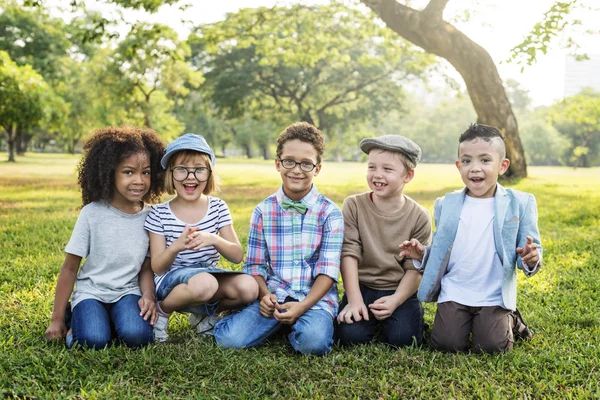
(193, 239)
(286, 313)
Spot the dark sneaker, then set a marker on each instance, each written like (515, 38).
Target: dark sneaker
(520, 329)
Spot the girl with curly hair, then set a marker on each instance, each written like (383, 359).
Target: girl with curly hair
(114, 288)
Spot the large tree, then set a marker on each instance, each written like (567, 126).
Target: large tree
(152, 66)
(23, 96)
(578, 119)
(428, 29)
(329, 65)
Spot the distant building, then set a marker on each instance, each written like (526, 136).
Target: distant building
(582, 74)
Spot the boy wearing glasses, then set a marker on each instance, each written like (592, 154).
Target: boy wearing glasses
(294, 247)
(188, 235)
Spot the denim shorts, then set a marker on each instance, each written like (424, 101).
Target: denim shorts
(183, 275)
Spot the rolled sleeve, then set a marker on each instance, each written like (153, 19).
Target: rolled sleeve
(331, 247)
(257, 255)
(529, 227)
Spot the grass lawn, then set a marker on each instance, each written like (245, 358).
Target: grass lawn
(39, 203)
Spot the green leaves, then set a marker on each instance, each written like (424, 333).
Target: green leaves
(22, 94)
(578, 119)
(330, 64)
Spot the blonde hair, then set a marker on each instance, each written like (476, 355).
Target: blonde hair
(212, 184)
(408, 165)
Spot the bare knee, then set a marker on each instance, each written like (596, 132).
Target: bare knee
(247, 289)
(202, 287)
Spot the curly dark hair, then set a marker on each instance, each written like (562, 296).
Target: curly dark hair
(105, 149)
(304, 132)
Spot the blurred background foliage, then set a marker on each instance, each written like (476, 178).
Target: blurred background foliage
(241, 80)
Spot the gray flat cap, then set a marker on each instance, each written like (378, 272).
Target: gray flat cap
(396, 143)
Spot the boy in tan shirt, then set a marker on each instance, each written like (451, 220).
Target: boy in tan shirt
(380, 288)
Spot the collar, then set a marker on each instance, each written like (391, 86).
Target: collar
(309, 200)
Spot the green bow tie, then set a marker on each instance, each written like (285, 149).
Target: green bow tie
(296, 205)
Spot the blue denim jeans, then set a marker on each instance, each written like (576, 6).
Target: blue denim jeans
(402, 328)
(312, 333)
(95, 323)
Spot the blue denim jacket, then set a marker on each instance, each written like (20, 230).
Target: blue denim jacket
(515, 218)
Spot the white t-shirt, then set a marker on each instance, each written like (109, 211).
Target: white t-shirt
(162, 221)
(474, 274)
(115, 246)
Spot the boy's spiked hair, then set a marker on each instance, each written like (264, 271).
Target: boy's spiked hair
(105, 149)
(304, 132)
(484, 132)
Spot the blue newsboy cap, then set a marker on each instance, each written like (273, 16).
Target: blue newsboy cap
(396, 143)
(189, 141)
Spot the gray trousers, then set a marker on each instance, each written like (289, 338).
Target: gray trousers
(490, 328)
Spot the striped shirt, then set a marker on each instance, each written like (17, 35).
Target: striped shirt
(289, 250)
(162, 221)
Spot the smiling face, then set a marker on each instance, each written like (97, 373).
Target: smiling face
(132, 182)
(297, 183)
(387, 174)
(480, 163)
(189, 189)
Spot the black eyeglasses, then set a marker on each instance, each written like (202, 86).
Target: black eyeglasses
(305, 166)
(180, 174)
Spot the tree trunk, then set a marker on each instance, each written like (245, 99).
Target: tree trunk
(428, 30)
(248, 150)
(12, 136)
(266, 152)
(23, 141)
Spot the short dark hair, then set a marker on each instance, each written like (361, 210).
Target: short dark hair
(484, 132)
(105, 149)
(304, 132)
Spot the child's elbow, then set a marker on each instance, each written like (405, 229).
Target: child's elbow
(156, 268)
(238, 257)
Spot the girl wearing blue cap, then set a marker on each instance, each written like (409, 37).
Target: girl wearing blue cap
(188, 234)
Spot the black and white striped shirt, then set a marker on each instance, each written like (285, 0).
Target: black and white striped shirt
(163, 221)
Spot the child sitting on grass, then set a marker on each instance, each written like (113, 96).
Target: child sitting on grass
(381, 291)
(294, 248)
(188, 235)
(114, 289)
(482, 232)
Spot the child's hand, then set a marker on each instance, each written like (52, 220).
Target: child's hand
(353, 313)
(383, 307)
(198, 240)
(529, 253)
(183, 239)
(289, 312)
(268, 304)
(56, 331)
(412, 249)
(148, 309)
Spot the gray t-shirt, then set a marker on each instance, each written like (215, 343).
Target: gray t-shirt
(114, 245)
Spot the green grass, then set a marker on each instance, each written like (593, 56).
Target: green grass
(39, 204)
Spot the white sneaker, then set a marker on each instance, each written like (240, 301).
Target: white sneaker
(204, 324)
(160, 328)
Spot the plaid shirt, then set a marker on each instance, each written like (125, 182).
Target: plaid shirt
(289, 250)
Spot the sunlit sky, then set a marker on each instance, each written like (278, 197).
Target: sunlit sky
(497, 25)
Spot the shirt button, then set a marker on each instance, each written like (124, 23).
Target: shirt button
(296, 262)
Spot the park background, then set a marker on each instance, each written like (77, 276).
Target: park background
(67, 68)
